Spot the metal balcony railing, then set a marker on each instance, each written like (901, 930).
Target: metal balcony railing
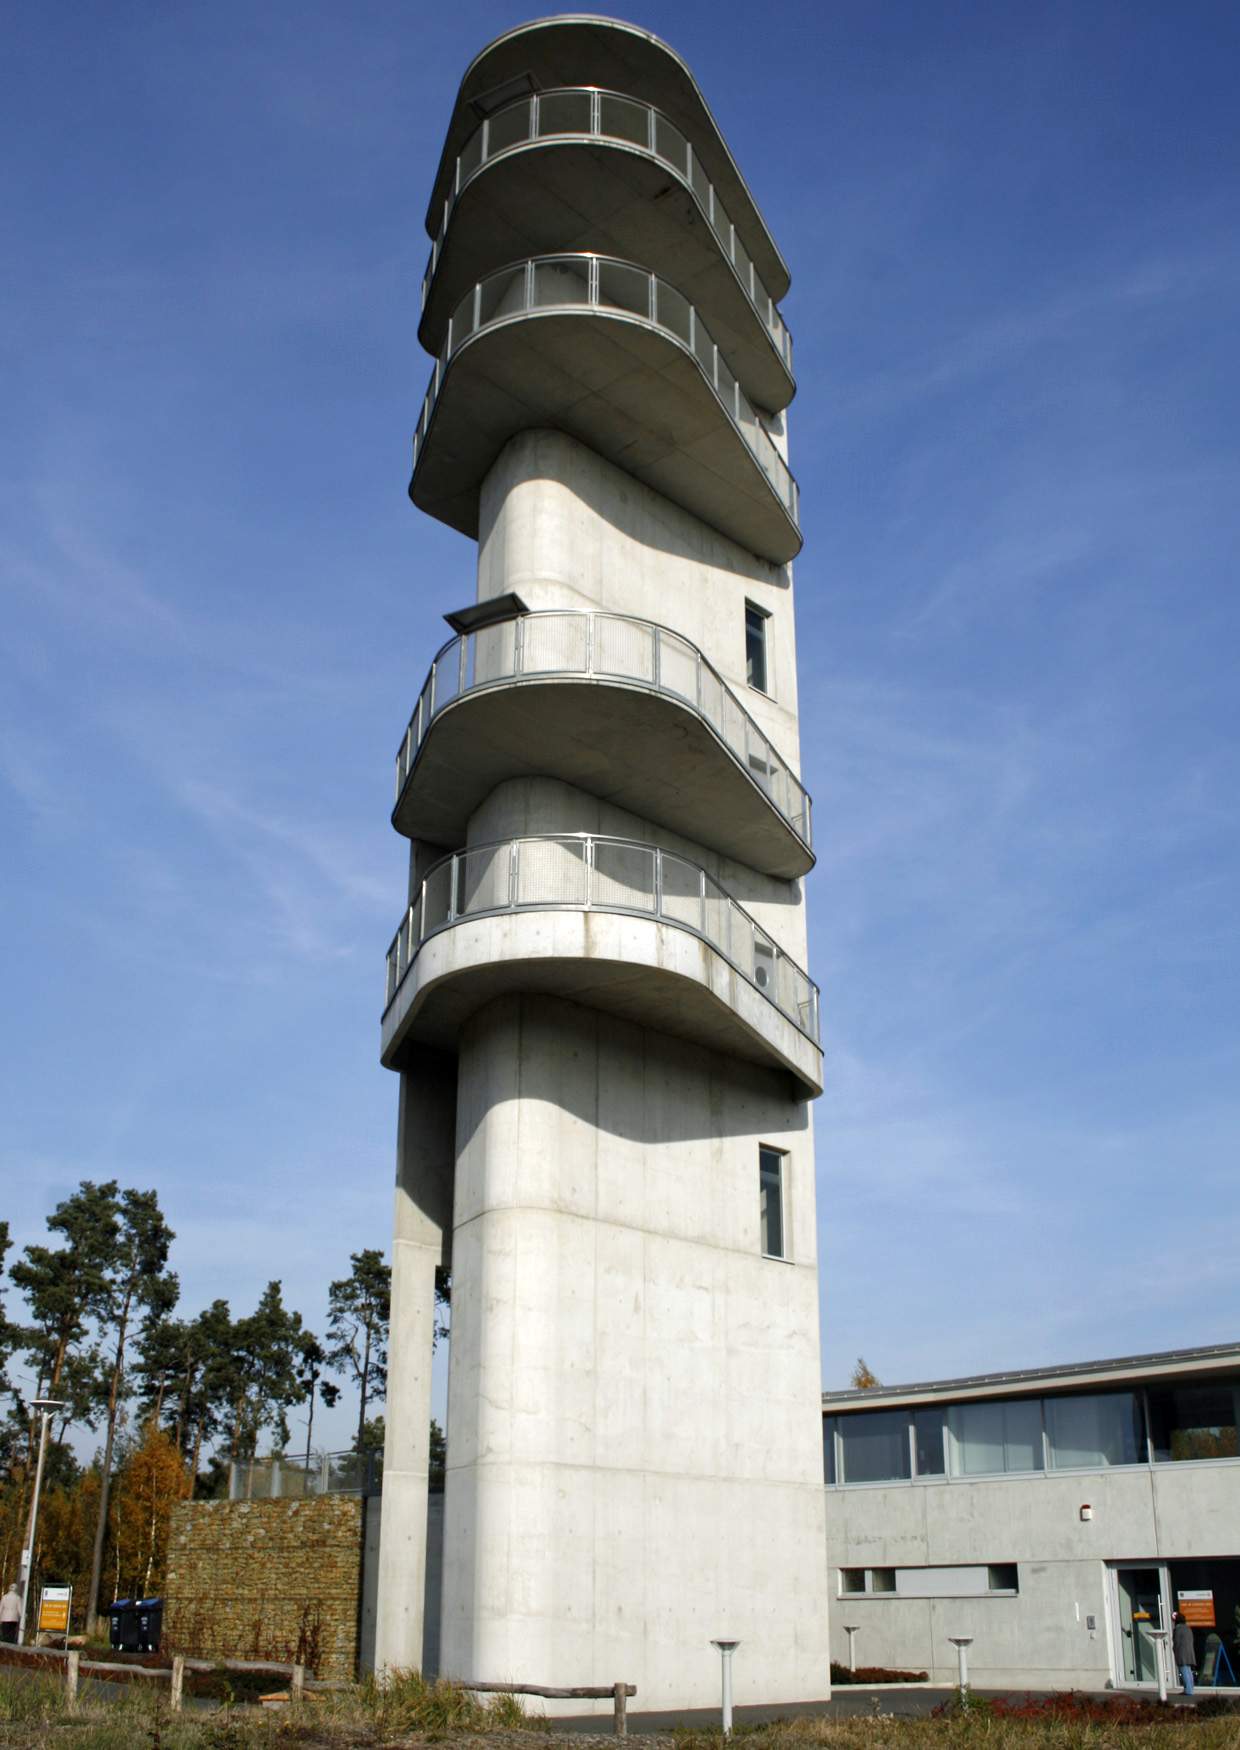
(588, 872)
(585, 112)
(565, 283)
(606, 647)
(282, 1477)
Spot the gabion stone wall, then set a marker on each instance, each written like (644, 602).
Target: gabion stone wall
(267, 1580)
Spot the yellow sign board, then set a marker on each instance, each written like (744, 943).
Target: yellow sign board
(54, 1604)
(1197, 1608)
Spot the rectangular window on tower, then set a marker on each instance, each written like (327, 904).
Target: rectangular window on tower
(755, 647)
(771, 1201)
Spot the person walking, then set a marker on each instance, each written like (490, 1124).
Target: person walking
(1184, 1652)
(10, 1615)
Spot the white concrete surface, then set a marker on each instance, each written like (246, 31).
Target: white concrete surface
(634, 1449)
(1040, 1638)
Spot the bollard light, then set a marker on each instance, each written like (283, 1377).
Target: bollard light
(726, 1650)
(960, 1642)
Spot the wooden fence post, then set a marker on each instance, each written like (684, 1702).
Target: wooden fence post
(177, 1687)
(72, 1662)
(621, 1693)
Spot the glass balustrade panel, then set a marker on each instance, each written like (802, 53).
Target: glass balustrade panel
(624, 647)
(671, 145)
(564, 112)
(436, 897)
(501, 294)
(482, 882)
(624, 288)
(674, 312)
(681, 891)
(509, 127)
(678, 667)
(554, 643)
(447, 676)
(622, 119)
(623, 875)
(494, 651)
(551, 872)
(561, 280)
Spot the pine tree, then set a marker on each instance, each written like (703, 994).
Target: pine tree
(135, 1277)
(359, 1312)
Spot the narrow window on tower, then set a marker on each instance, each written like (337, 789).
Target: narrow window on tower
(755, 647)
(771, 1201)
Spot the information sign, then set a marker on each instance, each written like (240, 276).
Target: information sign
(54, 1602)
(1197, 1608)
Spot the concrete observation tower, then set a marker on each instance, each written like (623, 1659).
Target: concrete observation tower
(596, 999)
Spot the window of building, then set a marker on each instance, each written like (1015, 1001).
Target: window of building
(929, 1428)
(1194, 1421)
(1096, 1429)
(974, 1581)
(771, 1201)
(828, 1449)
(755, 647)
(874, 1447)
(990, 1437)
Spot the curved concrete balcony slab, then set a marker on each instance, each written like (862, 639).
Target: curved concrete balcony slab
(610, 923)
(619, 359)
(582, 169)
(621, 708)
(614, 56)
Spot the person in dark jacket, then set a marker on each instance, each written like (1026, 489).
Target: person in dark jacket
(1184, 1652)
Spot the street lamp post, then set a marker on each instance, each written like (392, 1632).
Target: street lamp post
(46, 1407)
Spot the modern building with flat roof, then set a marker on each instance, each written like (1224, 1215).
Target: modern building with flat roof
(597, 1005)
(1058, 1516)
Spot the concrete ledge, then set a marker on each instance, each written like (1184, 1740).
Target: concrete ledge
(590, 50)
(618, 383)
(640, 749)
(644, 969)
(567, 192)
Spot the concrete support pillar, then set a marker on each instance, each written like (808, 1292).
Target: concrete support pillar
(423, 1221)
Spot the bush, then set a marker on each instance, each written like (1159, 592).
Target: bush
(874, 1674)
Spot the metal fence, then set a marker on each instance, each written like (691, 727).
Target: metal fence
(282, 1478)
(584, 112)
(583, 871)
(600, 282)
(608, 646)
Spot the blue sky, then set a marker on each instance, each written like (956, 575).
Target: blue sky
(1016, 277)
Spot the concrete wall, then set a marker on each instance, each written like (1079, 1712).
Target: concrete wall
(267, 1580)
(1041, 1637)
(566, 529)
(634, 1449)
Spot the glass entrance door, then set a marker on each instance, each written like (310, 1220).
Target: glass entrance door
(1140, 1596)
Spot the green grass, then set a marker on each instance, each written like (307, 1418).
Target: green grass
(410, 1711)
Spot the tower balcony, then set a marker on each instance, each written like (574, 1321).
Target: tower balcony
(617, 706)
(611, 923)
(610, 55)
(580, 168)
(618, 359)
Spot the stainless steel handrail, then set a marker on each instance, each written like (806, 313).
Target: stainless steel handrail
(594, 872)
(584, 281)
(617, 647)
(611, 115)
